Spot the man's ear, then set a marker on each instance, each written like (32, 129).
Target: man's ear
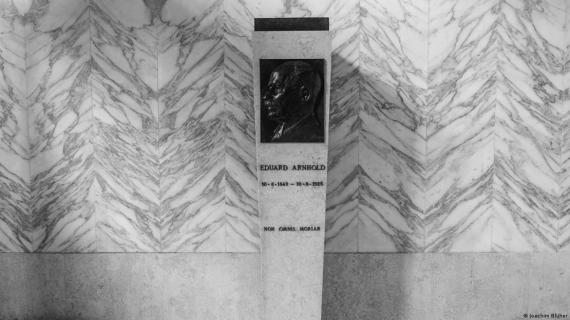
(305, 94)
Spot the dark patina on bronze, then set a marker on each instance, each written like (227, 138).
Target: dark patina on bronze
(292, 100)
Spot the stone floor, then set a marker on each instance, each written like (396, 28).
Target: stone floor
(226, 286)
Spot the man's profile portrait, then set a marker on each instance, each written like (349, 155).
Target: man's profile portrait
(292, 102)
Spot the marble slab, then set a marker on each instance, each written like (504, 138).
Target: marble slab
(460, 113)
(392, 140)
(291, 202)
(15, 213)
(62, 160)
(125, 110)
(530, 103)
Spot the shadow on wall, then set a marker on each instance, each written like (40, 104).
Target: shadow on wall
(355, 282)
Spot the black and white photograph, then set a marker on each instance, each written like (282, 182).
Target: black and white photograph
(284, 159)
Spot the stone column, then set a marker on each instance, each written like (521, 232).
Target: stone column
(291, 93)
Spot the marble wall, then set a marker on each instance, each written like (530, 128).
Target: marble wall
(128, 125)
(120, 131)
(463, 110)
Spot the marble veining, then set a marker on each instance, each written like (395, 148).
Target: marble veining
(126, 129)
(15, 215)
(392, 141)
(462, 118)
(125, 110)
(129, 125)
(531, 105)
(344, 126)
(62, 162)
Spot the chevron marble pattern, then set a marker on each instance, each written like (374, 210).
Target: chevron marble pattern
(462, 121)
(126, 127)
(129, 125)
(62, 162)
(460, 116)
(532, 103)
(15, 212)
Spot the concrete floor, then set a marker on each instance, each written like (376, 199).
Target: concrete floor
(446, 286)
(226, 286)
(129, 286)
